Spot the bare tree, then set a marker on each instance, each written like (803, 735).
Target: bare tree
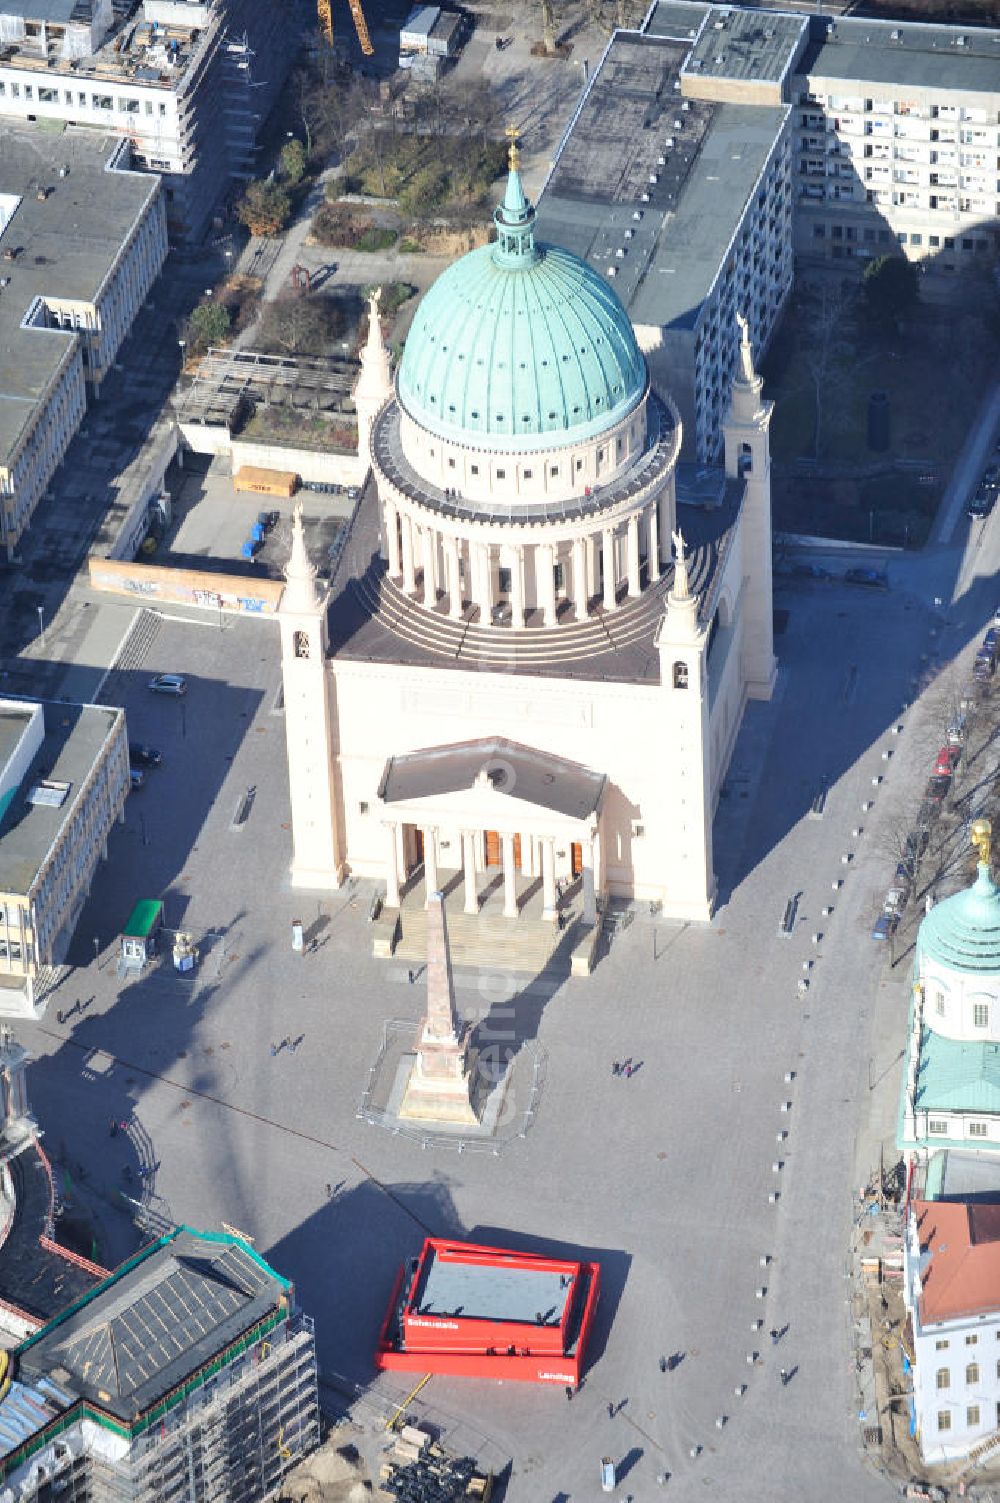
(825, 355)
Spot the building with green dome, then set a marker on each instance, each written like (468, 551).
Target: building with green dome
(525, 680)
(950, 1098)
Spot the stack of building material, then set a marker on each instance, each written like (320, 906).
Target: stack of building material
(418, 1467)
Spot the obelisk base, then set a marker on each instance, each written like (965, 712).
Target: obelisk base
(441, 1097)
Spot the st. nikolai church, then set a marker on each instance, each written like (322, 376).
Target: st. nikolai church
(524, 680)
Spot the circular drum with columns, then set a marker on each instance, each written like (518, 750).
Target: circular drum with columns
(525, 468)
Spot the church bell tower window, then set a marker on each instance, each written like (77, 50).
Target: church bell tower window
(300, 644)
(680, 675)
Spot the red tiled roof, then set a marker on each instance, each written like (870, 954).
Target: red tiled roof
(963, 1274)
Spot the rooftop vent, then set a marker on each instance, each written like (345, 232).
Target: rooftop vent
(685, 106)
(64, 172)
(894, 36)
(959, 41)
(50, 792)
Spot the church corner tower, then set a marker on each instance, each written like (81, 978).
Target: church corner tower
(685, 749)
(317, 859)
(748, 458)
(374, 386)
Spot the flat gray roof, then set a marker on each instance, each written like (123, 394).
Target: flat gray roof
(490, 1291)
(59, 11)
(75, 736)
(707, 176)
(156, 1321)
(66, 245)
(746, 44)
(926, 57)
(676, 18)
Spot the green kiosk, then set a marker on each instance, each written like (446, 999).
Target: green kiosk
(139, 937)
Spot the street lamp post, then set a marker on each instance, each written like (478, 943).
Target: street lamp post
(41, 623)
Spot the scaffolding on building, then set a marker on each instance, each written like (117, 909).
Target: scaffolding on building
(232, 1434)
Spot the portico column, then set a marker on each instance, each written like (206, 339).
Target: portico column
(545, 574)
(589, 892)
(579, 567)
(427, 541)
(632, 550)
(454, 578)
(608, 554)
(517, 587)
(391, 867)
(653, 517)
(469, 864)
(509, 877)
(549, 910)
(482, 582)
(409, 579)
(392, 537)
(430, 861)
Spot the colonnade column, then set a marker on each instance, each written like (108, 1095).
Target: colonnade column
(549, 907)
(392, 537)
(409, 578)
(391, 867)
(589, 889)
(517, 587)
(509, 877)
(428, 542)
(482, 583)
(608, 556)
(545, 574)
(632, 552)
(653, 520)
(454, 582)
(469, 872)
(430, 860)
(579, 568)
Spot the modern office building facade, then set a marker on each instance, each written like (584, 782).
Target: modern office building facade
(82, 240)
(64, 775)
(716, 144)
(186, 82)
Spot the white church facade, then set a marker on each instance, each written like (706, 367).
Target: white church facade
(532, 658)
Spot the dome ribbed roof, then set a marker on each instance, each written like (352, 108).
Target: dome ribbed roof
(963, 931)
(521, 344)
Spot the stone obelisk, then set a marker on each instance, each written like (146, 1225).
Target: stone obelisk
(440, 1085)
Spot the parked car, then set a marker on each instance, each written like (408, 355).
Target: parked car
(956, 729)
(268, 520)
(916, 843)
(982, 504)
(896, 898)
(876, 579)
(143, 756)
(169, 683)
(984, 665)
(937, 788)
(904, 871)
(991, 477)
(948, 759)
(136, 777)
(885, 925)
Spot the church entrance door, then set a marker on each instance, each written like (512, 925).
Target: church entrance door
(492, 843)
(576, 858)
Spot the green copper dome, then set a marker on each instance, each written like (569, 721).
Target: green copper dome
(520, 344)
(963, 932)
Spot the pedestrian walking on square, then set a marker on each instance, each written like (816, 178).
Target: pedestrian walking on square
(409, 977)
(616, 1068)
(774, 1336)
(628, 1072)
(286, 1042)
(611, 1411)
(627, 1066)
(784, 1378)
(274, 1050)
(569, 1393)
(663, 1364)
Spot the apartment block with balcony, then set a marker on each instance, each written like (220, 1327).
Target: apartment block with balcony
(82, 240)
(895, 131)
(64, 777)
(186, 82)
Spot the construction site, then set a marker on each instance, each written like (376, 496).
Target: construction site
(189, 1372)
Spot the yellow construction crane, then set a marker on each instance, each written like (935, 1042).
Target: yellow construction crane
(324, 10)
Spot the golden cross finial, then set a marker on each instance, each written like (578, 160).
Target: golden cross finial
(513, 154)
(982, 839)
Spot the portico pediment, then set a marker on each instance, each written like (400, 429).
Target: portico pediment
(496, 769)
